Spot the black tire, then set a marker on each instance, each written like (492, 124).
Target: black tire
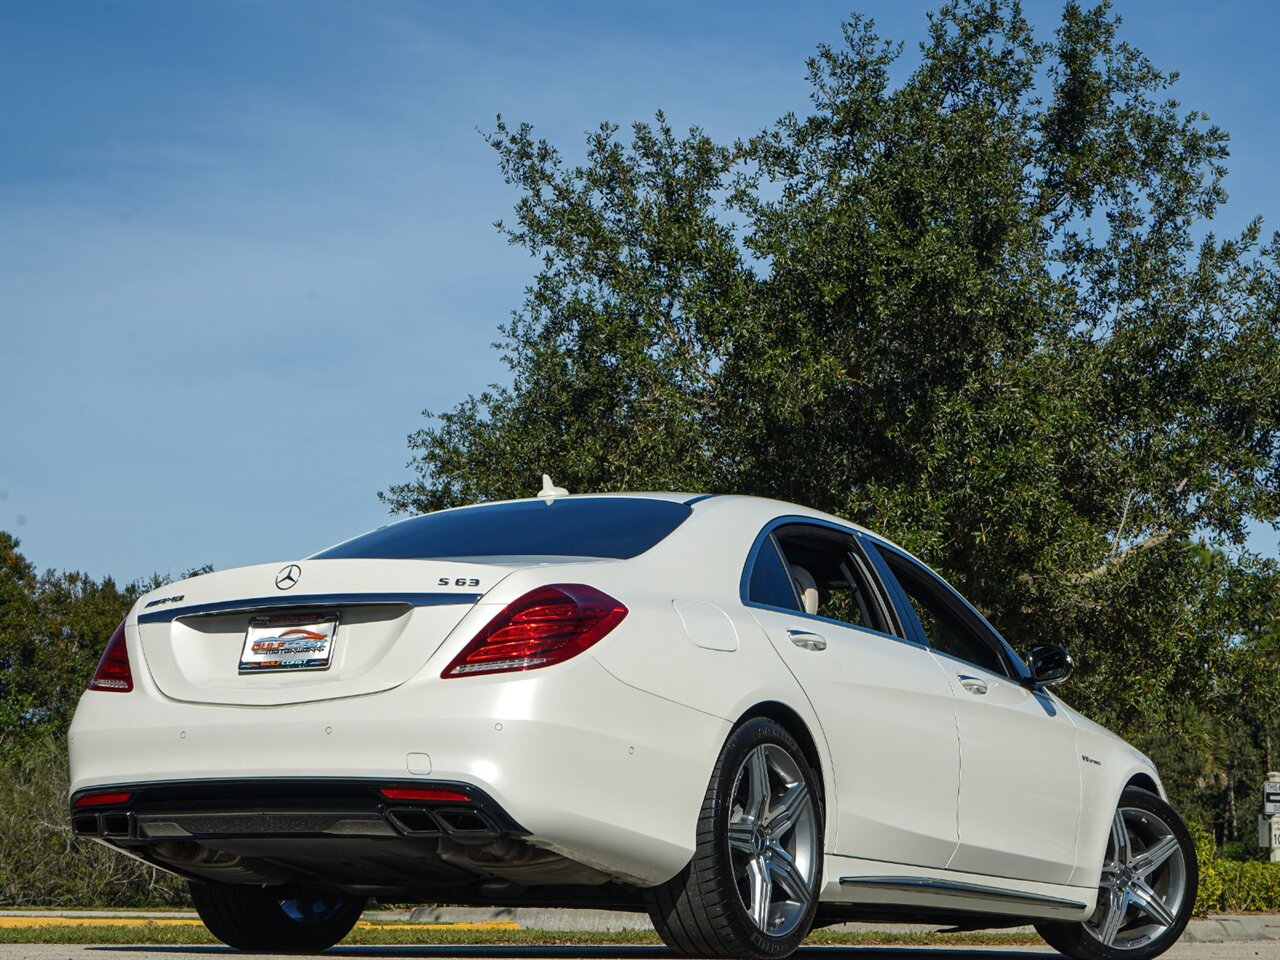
(272, 919)
(701, 912)
(1081, 941)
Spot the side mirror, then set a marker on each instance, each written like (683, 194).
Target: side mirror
(1050, 665)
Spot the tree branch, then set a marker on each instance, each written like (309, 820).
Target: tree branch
(1116, 559)
(683, 346)
(1115, 546)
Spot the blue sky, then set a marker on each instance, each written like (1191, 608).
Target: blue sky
(242, 246)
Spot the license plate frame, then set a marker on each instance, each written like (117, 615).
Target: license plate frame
(301, 642)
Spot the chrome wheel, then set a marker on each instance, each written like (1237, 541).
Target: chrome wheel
(773, 839)
(274, 919)
(750, 890)
(301, 910)
(1144, 881)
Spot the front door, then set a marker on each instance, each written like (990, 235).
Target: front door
(1020, 790)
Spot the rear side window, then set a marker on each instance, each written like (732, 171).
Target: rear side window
(617, 528)
(770, 582)
(830, 577)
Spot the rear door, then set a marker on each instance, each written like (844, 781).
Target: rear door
(885, 706)
(1020, 792)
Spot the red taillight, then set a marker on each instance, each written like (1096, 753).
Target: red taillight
(545, 626)
(424, 796)
(102, 799)
(113, 671)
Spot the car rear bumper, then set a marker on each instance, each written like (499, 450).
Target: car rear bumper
(578, 763)
(444, 841)
(215, 810)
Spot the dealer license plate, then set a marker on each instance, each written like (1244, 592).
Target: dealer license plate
(293, 642)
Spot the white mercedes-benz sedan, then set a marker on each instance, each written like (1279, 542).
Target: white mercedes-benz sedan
(746, 717)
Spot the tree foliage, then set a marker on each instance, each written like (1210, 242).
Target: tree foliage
(980, 309)
(43, 864)
(53, 630)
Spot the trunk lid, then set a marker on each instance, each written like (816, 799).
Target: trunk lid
(392, 615)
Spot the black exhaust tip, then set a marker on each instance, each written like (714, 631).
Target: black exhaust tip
(117, 825)
(466, 822)
(85, 826)
(415, 822)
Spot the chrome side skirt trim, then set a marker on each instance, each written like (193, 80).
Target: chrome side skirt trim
(956, 888)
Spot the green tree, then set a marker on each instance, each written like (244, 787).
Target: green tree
(52, 632)
(17, 623)
(53, 629)
(980, 310)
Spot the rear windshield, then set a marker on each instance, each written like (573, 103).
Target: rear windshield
(592, 527)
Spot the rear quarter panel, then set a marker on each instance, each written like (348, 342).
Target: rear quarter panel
(659, 652)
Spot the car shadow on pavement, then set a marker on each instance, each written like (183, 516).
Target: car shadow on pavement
(605, 952)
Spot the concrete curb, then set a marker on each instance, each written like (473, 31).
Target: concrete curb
(392, 916)
(106, 914)
(1257, 926)
(1219, 929)
(537, 918)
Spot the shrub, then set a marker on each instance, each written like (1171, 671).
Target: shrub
(43, 864)
(1233, 886)
(1249, 885)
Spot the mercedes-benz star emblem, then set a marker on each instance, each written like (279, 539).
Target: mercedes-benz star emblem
(287, 577)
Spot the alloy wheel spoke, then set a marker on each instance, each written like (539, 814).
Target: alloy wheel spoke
(784, 816)
(1145, 863)
(761, 891)
(1109, 877)
(788, 876)
(1128, 892)
(772, 835)
(1113, 919)
(1149, 902)
(1120, 838)
(741, 835)
(757, 784)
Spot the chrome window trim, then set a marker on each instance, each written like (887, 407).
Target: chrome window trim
(884, 598)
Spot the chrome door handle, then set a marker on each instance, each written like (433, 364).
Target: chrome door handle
(975, 685)
(806, 640)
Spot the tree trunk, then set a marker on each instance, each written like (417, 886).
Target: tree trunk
(1229, 827)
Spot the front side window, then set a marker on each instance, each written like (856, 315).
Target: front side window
(947, 629)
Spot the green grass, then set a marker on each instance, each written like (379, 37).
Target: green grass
(375, 936)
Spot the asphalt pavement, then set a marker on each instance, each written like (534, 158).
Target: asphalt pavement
(1234, 950)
